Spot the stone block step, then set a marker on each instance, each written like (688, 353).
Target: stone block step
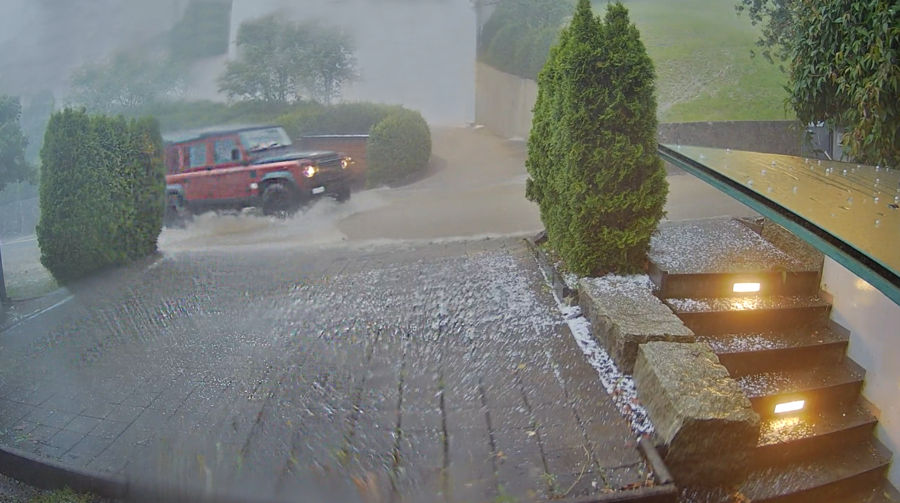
(835, 475)
(728, 315)
(818, 387)
(705, 258)
(756, 352)
(812, 434)
(700, 285)
(884, 493)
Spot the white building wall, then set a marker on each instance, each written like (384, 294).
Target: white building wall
(419, 54)
(874, 324)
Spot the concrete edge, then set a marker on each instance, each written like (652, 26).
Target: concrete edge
(42, 304)
(52, 475)
(655, 494)
(48, 474)
(563, 291)
(661, 473)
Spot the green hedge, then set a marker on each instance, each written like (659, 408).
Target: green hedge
(102, 192)
(398, 146)
(345, 118)
(517, 37)
(203, 31)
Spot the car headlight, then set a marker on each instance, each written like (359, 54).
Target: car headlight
(254, 186)
(310, 171)
(346, 162)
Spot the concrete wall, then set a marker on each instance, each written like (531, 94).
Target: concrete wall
(19, 219)
(503, 104)
(872, 319)
(353, 146)
(770, 137)
(420, 54)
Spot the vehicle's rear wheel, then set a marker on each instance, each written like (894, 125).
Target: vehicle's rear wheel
(277, 201)
(176, 218)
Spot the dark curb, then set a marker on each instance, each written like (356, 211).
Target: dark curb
(52, 475)
(48, 474)
(38, 305)
(563, 291)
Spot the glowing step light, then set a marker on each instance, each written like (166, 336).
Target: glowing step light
(745, 287)
(789, 406)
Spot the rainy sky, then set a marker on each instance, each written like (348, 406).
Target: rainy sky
(419, 53)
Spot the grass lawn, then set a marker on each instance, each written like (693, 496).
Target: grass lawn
(701, 49)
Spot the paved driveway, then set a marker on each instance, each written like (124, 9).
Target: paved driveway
(416, 369)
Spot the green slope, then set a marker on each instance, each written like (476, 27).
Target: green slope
(702, 53)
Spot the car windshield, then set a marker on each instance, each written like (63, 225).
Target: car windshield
(262, 139)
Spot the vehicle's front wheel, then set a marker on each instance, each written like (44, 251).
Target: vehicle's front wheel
(343, 195)
(277, 201)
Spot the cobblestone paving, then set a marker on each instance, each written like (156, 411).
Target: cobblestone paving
(412, 370)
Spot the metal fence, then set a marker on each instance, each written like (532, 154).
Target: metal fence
(19, 219)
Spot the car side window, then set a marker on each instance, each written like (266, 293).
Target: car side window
(197, 155)
(227, 151)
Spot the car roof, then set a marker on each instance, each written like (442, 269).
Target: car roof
(200, 134)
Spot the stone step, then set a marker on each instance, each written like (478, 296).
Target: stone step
(704, 258)
(819, 387)
(724, 315)
(699, 285)
(752, 353)
(885, 493)
(787, 439)
(826, 478)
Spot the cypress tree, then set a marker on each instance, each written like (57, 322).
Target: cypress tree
(592, 160)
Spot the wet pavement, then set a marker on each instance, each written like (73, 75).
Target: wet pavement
(408, 369)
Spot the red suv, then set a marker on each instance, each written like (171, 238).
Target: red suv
(238, 167)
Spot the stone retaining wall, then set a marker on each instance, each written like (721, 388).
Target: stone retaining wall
(503, 104)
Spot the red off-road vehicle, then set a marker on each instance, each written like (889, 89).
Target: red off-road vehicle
(239, 167)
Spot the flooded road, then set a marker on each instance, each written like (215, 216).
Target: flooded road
(475, 187)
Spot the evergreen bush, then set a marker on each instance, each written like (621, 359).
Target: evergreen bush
(593, 167)
(102, 191)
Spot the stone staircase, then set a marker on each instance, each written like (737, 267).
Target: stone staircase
(777, 343)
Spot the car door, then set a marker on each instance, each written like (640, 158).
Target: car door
(196, 166)
(232, 178)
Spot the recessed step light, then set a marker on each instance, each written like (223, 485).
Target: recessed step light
(789, 406)
(745, 287)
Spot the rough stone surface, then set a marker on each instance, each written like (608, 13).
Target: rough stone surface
(624, 314)
(790, 244)
(699, 411)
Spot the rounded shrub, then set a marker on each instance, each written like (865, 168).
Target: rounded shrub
(398, 146)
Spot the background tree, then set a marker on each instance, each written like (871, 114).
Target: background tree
(845, 71)
(330, 62)
(283, 62)
(127, 82)
(776, 18)
(592, 159)
(13, 165)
